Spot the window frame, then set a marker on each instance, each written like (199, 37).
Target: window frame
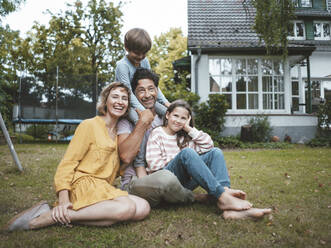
(322, 33)
(259, 92)
(295, 37)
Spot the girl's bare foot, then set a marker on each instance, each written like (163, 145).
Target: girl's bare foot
(244, 214)
(228, 202)
(236, 193)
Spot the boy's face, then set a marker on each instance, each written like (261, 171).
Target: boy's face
(135, 57)
(146, 93)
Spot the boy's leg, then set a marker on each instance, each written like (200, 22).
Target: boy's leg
(160, 109)
(158, 186)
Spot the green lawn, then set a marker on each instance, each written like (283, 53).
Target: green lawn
(295, 182)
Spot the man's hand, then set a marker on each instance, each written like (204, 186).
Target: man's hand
(146, 116)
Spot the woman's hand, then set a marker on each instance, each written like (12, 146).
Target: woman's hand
(60, 213)
(187, 128)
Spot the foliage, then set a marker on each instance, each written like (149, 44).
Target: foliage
(8, 65)
(83, 40)
(210, 115)
(167, 48)
(270, 178)
(272, 22)
(8, 6)
(324, 116)
(39, 131)
(259, 129)
(24, 138)
(320, 141)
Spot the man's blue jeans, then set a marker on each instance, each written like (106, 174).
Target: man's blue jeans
(207, 170)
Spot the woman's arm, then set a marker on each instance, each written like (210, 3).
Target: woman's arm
(60, 213)
(75, 152)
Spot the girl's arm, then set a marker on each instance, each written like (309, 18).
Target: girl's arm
(155, 160)
(201, 141)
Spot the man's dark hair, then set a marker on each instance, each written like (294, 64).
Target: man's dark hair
(142, 73)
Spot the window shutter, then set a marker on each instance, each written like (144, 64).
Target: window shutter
(309, 30)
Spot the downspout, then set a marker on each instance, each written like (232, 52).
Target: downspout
(309, 107)
(196, 71)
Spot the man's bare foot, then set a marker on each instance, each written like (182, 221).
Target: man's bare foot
(244, 214)
(228, 202)
(236, 193)
(204, 198)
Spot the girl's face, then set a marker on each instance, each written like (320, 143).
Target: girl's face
(117, 102)
(177, 119)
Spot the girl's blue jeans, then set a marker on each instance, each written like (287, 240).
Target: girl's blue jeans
(207, 170)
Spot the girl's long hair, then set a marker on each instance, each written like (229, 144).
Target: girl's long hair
(182, 137)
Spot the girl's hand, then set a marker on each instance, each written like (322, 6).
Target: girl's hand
(187, 128)
(60, 213)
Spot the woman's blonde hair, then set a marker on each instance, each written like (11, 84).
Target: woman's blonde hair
(102, 101)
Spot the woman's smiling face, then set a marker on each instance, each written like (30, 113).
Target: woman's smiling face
(117, 102)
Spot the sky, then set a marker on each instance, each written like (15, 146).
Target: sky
(155, 16)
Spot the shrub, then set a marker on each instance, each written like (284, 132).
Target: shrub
(210, 115)
(39, 131)
(259, 129)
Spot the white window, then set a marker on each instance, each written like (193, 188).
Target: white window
(322, 30)
(297, 30)
(220, 77)
(246, 80)
(306, 3)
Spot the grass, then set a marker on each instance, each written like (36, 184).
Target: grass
(295, 182)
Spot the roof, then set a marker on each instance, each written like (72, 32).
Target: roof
(225, 25)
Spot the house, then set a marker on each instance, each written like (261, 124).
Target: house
(312, 27)
(228, 58)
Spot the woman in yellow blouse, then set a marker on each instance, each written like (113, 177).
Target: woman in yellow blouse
(84, 177)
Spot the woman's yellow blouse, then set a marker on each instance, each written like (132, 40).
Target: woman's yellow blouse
(91, 152)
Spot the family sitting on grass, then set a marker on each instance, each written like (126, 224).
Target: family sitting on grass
(163, 157)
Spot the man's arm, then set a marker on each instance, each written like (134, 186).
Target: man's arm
(128, 144)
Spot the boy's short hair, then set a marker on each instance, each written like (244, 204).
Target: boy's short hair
(143, 73)
(137, 40)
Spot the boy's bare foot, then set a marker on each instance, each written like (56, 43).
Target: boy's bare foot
(228, 202)
(236, 193)
(244, 214)
(204, 198)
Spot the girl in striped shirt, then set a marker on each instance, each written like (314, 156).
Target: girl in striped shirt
(190, 154)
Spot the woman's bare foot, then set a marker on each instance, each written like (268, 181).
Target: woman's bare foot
(236, 193)
(228, 202)
(244, 214)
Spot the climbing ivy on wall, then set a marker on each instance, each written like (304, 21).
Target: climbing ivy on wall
(272, 23)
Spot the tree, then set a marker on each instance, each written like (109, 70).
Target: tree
(167, 48)
(81, 40)
(8, 41)
(272, 23)
(8, 6)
